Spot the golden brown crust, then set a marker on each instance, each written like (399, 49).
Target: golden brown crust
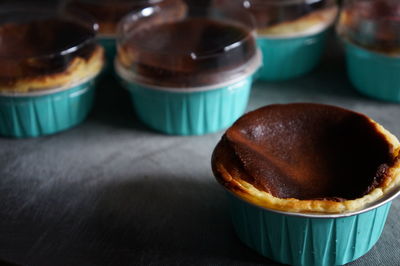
(78, 69)
(311, 23)
(233, 178)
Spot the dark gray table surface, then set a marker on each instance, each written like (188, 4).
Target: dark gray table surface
(112, 192)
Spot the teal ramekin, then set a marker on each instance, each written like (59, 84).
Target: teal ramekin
(373, 74)
(290, 57)
(190, 112)
(47, 112)
(307, 239)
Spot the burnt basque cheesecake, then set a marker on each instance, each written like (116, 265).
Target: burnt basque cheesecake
(307, 158)
(286, 17)
(312, 22)
(211, 51)
(46, 53)
(373, 25)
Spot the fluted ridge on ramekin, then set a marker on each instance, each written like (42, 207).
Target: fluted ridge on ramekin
(373, 74)
(287, 58)
(32, 116)
(190, 113)
(307, 241)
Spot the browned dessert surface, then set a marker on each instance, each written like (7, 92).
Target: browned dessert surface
(41, 47)
(306, 151)
(272, 12)
(187, 52)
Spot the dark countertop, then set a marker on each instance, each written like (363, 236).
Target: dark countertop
(112, 192)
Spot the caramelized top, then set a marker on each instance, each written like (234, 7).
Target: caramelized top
(268, 13)
(190, 52)
(273, 12)
(41, 47)
(306, 151)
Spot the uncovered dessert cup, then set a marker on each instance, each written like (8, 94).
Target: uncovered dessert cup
(108, 13)
(369, 31)
(192, 85)
(308, 184)
(49, 64)
(291, 33)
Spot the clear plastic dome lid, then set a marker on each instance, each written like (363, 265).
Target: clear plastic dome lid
(374, 24)
(204, 48)
(109, 12)
(287, 17)
(36, 43)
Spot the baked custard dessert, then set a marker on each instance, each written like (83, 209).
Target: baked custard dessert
(108, 13)
(46, 53)
(287, 17)
(187, 53)
(191, 75)
(373, 25)
(291, 33)
(309, 158)
(313, 22)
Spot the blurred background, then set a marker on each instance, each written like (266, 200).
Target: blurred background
(56, 2)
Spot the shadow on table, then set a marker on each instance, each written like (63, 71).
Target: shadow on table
(113, 106)
(179, 221)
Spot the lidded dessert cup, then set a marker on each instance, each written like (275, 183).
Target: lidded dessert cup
(108, 13)
(191, 75)
(49, 63)
(308, 184)
(291, 33)
(370, 33)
